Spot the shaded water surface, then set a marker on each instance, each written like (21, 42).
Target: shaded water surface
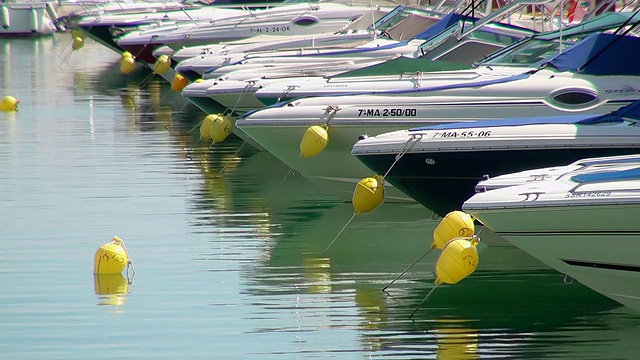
(228, 246)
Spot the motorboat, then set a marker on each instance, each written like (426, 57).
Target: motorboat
(238, 92)
(439, 166)
(581, 224)
(283, 20)
(554, 172)
(534, 80)
(105, 26)
(22, 17)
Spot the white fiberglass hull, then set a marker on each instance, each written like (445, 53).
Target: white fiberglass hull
(280, 129)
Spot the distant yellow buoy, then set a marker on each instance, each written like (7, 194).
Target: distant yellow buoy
(111, 258)
(127, 65)
(220, 128)
(78, 33)
(454, 225)
(9, 103)
(314, 141)
(368, 194)
(198, 80)
(179, 82)
(162, 65)
(78, 43)
(458, 259)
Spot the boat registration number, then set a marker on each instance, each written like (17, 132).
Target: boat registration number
(461, 134)
(387, 112)
(269, 29)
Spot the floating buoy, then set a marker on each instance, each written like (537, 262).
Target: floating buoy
(455, 224)
(314, 140)
(162, 65)
(78, 33)
(78, 43)
(199, 80)
(368, 194)
(179, 82)
(220, 128)
(205, 127)
(458, 259)
(9, 103)
(5, 17)
(125, 55)
(127, 65)
(111, 288)
(33, 20)
(111, 258)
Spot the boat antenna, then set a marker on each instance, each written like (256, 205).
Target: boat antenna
(614, 40)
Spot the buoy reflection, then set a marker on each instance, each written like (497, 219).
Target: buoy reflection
(112, 289)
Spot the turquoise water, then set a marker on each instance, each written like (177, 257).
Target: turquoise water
(228, 246)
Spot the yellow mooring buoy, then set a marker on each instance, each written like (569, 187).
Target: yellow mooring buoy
(179, 82)
(78, 33)
(125, 55)
(205, 127)
(314, 141)
(78, 43)
(220, 128)
(458, 259)
(198, 80)
(162, 65)
(455, 224)
(368, 194)
(111, 289)
(111, 258)
(127, 64)
(9, 103)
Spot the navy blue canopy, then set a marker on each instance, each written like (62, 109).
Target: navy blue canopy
(601, 54)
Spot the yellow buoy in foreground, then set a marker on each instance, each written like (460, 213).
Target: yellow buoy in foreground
(314, 140)
(220, 128)
(454, 225)
(78, 43)
(127, 65)
(111, 289)
(368, 194)
(162, 64)
(111, 258)
(125, 55)
(178, 83)
(9, 103)
(458, 259)
(205, 127)
(78, 33)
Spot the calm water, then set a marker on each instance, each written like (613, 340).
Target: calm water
(229, 249)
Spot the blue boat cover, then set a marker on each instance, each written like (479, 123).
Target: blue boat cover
(601, 54)
(631, 111)
(601, 176)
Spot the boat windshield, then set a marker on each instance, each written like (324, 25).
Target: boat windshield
(533, 52)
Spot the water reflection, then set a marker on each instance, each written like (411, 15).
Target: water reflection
(111, 289)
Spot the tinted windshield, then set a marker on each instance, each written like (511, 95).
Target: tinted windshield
(532, 52)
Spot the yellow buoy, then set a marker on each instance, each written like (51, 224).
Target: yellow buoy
(162, 64)
(111, 288)
(125, 55)
(9, 103)
(111, 258)
(127, 65)
(458, 259)
(78, 43)
(220, 128)
(368, 194)
(314, 140)
(78, 33)
(454, 225)
(205, 127)
(198, 80)
(179, 82)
